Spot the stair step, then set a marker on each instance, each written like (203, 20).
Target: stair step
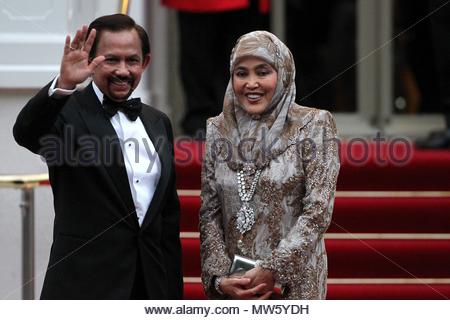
(368, 258)
(391, 215)
(385, 166)
(388, 258)
(364, 214)
(188, 162)
(190, 206)
(195, 291)
(388, 169)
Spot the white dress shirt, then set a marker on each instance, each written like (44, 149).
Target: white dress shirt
(141, 159)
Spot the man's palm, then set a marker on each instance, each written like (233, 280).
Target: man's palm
(75, 64)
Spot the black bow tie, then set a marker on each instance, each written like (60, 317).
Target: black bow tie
(132, 108)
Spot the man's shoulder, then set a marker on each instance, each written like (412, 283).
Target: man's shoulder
(154, 110)
(154, 113)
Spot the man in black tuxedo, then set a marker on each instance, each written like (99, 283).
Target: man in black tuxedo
(111, 168)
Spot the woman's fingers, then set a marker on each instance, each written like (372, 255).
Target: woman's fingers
(260, 288)
(241, 281)
(235, 287)
(252, 292)
(265, 296)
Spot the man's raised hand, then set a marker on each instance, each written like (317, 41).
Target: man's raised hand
(75, 65)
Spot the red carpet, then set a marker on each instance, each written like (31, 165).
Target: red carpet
(367, 258)
(361, 291)
(365, 214)
(388, 291)
(387, 245)
(391, 215)
(363, 167)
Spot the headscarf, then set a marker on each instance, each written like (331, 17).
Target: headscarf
(252, 134)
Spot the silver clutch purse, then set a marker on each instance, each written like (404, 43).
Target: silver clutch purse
(241, 265)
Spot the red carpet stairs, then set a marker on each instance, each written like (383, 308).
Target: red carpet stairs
(390, 234)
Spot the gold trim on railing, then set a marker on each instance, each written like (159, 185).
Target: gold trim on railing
(23, 180)
(124, 6)
(34, 180)
(189, 235)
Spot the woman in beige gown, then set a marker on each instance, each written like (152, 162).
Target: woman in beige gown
(268, 181)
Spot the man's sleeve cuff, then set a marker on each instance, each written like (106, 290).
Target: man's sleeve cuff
(58, 92)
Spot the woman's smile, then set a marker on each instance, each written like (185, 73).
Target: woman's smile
(254, 83)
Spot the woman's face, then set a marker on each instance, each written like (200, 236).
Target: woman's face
(254, 84)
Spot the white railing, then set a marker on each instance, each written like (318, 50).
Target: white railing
(26, 183)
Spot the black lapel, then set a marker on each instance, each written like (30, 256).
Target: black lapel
(158, 134)
(111, 156)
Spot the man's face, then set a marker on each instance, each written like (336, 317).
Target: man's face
(122, 69)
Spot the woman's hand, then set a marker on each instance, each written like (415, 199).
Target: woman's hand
(75, 65)
(260, 276)
(236, 288)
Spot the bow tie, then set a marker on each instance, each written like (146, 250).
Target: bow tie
(132, 108)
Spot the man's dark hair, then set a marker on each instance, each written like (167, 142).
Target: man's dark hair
(115, 23)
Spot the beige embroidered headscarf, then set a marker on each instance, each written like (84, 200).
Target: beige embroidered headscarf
(251, 135)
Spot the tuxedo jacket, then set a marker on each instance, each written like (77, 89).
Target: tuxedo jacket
(97, 240)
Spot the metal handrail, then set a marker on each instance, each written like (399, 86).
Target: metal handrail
(26, 183)
(23, 181)
(124, 6)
